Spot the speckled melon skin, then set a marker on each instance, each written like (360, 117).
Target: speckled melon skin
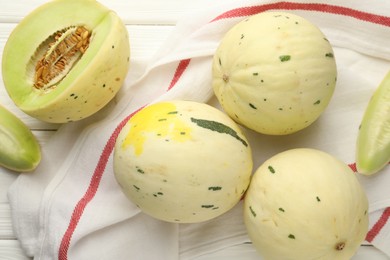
(182, 161)
(274, 72)
(303, 204)
(92, 82)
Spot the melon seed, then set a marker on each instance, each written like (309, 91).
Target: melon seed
(64, 49)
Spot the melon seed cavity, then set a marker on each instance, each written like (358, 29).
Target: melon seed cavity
(64, 49)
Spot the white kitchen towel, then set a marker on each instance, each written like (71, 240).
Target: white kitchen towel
(72, 208)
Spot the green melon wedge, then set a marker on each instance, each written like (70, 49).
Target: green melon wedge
(19, 149)
(373, 142)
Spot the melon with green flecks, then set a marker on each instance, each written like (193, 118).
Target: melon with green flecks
(274, 72)
(66, 60)
(182, 161)
(305, 204)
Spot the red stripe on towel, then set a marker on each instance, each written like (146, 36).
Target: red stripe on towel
(92, 189)
(374, 231)
(183, 64)
(353, 167)
(181, 68)
(100, 168)
(324, 8)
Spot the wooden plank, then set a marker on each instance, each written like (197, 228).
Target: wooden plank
(6, 179)
(10, 250)
(6, 231)
(132, 12)
(145, 40)
(43, 136)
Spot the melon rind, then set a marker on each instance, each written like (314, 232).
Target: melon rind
(19, 149)
(274, 73)
(304, 203)
(92, 82)
(373, 141)
(176, 162)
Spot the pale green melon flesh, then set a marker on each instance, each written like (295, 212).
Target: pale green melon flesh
(31, 32)
(53, 105)
(19, 149)
(373, 142)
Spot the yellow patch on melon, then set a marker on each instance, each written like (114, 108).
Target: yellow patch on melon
(161, 120)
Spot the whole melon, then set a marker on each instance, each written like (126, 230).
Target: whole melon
(305, 204)
(274, 72)
(182, 161)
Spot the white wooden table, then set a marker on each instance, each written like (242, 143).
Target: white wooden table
(149, 23)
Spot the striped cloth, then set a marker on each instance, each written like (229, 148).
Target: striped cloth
(72, 208)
